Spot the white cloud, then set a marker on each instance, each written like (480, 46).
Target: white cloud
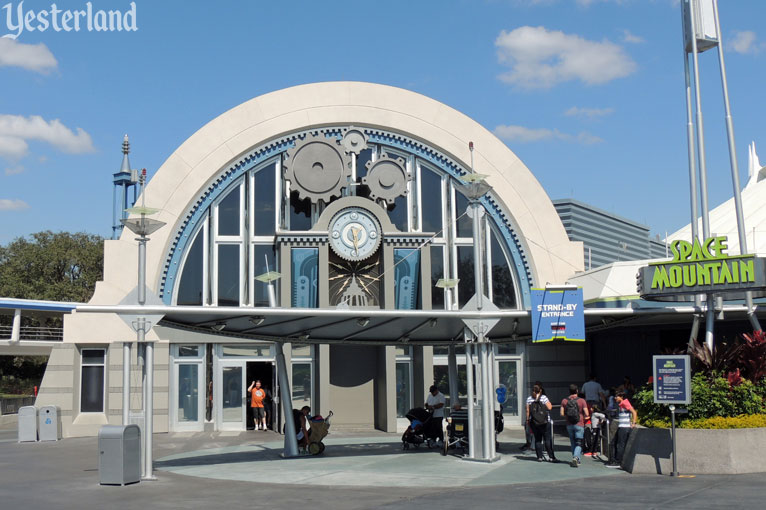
(523, 134)
(590, 113)
(15, 170)
(542, 58)
(32, 57)
(16, 131)
(629, 37)
(12, 205)
(745, 42)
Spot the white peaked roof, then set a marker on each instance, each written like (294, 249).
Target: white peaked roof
(723, 219)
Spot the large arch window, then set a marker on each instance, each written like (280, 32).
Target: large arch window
(234, 240)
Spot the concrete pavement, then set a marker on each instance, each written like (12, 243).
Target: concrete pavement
(64, 475)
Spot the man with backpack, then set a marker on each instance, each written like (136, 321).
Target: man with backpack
(575, 410)
(538, 407)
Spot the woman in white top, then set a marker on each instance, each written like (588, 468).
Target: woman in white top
(538, 408)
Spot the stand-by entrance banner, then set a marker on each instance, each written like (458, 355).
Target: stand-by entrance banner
(557, 314)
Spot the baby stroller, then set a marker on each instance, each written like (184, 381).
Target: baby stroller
(320, 427)
(420, 430)
(457, 430)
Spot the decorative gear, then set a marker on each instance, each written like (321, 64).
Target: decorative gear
(387, 178)
(354, 140)
(316, 168)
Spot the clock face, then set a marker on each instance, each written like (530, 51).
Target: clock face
(354, 234)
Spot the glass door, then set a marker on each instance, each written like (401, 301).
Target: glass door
(230, 410)
(188, 381)
(509, 373)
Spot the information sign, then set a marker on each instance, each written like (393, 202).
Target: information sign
(672, 379)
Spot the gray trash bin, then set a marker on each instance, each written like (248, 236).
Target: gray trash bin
(49, 421)
(119, 460)
(27, 424)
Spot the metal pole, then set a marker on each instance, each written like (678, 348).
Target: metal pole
(485, 401)
(491, 397)
(125, 383)
(291, 438)
(142, 269)
(710, 311)
(734, 166)
(673, 434)
(469, 380)
(148, 400)
(454, 396)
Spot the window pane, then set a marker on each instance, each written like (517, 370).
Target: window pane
(264, 206)
(465, 289)
(302, 386)
(506, 349)
(361, 171)
(305, 275)
(464, 222)
(431, 200)
(441, 380)
(508, 375)
(188, 351)
(232, 394)
(398, 213)
(247, 350)
(228, 214)
(92, 388)
(300, 213)
(437, 273)
(93, 356)
(262, 253)
(228, 275)
(188, 393)
(406, 278)
(190, 288)
(503, 294)
(403, 389)
(301, 351)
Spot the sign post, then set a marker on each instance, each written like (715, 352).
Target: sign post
(672, 385)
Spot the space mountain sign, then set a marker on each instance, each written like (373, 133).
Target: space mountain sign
(702, 267)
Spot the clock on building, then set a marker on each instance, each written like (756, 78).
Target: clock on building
(354, 234)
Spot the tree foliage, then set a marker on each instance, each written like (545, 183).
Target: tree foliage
(57, 266)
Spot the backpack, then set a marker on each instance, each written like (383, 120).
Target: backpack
(572, 411)
(538, 413)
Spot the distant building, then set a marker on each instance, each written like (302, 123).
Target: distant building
(606, 237)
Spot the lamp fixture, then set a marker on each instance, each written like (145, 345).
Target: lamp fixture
(432, 322)
(256, 320)
(218, 326)
(363, 321)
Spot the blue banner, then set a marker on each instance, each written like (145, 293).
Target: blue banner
(557, 315)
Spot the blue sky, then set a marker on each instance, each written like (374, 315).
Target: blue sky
(588, 93)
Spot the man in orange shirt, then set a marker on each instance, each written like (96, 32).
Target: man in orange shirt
(257, 394)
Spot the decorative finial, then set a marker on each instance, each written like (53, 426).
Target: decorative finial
(125, 151)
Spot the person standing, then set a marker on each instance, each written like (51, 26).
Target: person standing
(575, 410)
(627, 418)
(594, 393)
(538, 409)
(257, 396)
(435, 403)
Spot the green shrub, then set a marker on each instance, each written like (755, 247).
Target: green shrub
(717, 422)
(712, 396)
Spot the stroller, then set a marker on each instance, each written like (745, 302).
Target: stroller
(421, 429)
(457, 430)
(320, 427)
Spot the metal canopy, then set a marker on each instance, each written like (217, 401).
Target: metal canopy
(384, 327)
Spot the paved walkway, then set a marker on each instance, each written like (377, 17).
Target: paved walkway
(64, 475)
(375, 461)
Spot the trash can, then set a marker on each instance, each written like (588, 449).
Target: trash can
(119, 460)
(49, 421)
(27, 424)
